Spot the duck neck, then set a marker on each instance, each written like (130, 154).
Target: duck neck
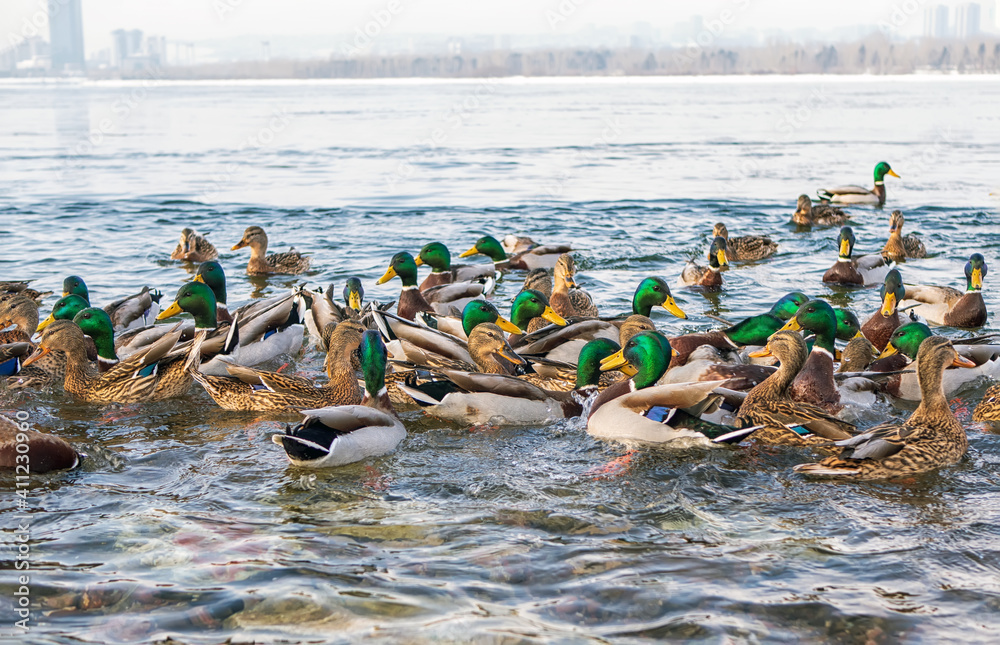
(933, 402)
(340, 371)
(776, 384)
(79, 371)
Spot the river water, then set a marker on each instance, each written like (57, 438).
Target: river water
(187, 521)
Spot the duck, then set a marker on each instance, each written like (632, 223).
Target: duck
(858, 355)
(931, 438)
(212, 274)
(903, 349)
(14, 288)
(249, 389)
(343, 434)
(638, 411)
(808, 215)
(438, 258)
(709, 277)
(748, 248)
(460, 326)
(988, 410)
(446, 298)
(951, 307)
(490, 247)
(525, 254)
(858, 194)
(865, 270)
(289, 263)
(22, 313)
(65, 309)
(539, 280)
(531, 311)
(128, 312)
(879, 327)
(45, 452)
(568, 300)
(898, 248)
(194, 248)
(786, 419)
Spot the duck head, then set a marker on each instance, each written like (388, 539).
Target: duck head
(717, 253)
(74, 284)
(489, 246)
(97, 324)
(197, 299)
(846, 243)
(254, 237)
(648, 353)
(788, 305)
(532, 304)
(818, 317)
(654, 292)
(435, 255)
(975, 271)
(403, 265)
(211, 273)
(881, 170)
(892, 292)
(354, 293)
(65, 309)
(477, 312)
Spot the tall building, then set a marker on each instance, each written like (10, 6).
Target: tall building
(66, 34)
(967, 19)
(936, 21)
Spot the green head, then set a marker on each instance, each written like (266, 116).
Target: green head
(211, 273)
(354, 293)
(75, 285)
(848, 325)
(846, 242)
(648, 353)
(975, 271)
(588, 366)
(488, 246)
(373, 361)
(907, 339)
(881, 170)
(197, 299)
(65, 309)
(892, 292)
(654, 292)
(402, 265)
(717, 253)
(97, 324)
(478, 312)
(531, 303)
(818, 317)
(788, 305)
(436, 256)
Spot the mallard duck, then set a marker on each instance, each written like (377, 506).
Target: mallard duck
(525, 254)
(128, 312)
(567, 299)
(289, 263)
(22, 313)
(806, 214)
(865, 270)
(65, 309)
(250, 389)
(539, 280)
(334, 436)
(931, 438)
(904, 347)
(445, 298)
(710, 276)
(988, 410)
(531, 311)
(489, 246)
(748, 248)
(857, 194)
(638, 411)
(883, 322)
(947, 306)
(12, 289)
(194, 248)
(42, 452)
(787, 419)
(438, 258)
(460, 326)
(858, 355)
(898, 248)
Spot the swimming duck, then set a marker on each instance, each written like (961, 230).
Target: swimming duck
(947, 306)
(857, 194)
(748, 248)
(438, 258)
(45, 452)
(931, 438)
(865, 270)
(988, 410)
(65, 309)
(412, 301)
(883, 322)
(567, 299)
(194, 248)
(858, 355)
(289, 263)
(710, 276)
(321, 313)
(335, 436)
(22, 313)
(489, 246)
(639, 411)
(128, 312)
(787, 419)
(898, 248)
(806, 214)
(531, 311)
(526, 255)
(539, 280)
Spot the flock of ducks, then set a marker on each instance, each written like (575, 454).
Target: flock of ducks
(778, 377)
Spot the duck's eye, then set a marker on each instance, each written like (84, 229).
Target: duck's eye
(657, 288)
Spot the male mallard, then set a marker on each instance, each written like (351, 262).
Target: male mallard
(710, 276)
(212, 274)
(857, 194)
(932, 437)
(334, 436)
(638, 411)
(438, 258)
(947, 306)
(806, 214)
(747, 248)
(489, 246)
(865, 270)
(41, 452)
(883, 322)
(787, 419)
(897, 248)
(567, 299)
(988, 410)
(128, 312)
(65, 309)
(194, 248)
(289, 263)
(526, 255)
(444, 297)
(531, 311)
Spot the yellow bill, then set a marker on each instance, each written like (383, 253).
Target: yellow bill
(845, 247)
(761, 353)
(670, 305)
(977, 278)
(893, 173)
(199, 278)
(889, 350)
(553, 317)
(721, 257)
(354, 300)
(889, 305)
(614, 361)
(791, 325)
(390, 273)
(45, 323)
(418, 261)
(507, 325)
(469, 253)
(173, 310)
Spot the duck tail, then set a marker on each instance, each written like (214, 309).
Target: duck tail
(824, 195)
(731, 435)
(824, 469)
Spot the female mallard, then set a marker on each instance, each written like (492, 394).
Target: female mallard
(42, 452)
(931, 438)
(539, 280)
(857, 194)
(639, 411)
(567, 299)
(527, 255)
(988, 410)
(710, 276)
(947, 306)
(806, 214)
(334, 436)
(883, 322)
(786, 419)
(748, 248)
(438, 258)
(897, 248)
(194, 248)
(129, 312)
(865, 270)
(289, 263)
(22, 313)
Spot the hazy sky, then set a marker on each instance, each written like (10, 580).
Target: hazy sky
(203, 19)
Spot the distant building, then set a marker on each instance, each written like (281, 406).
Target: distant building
(936, 21)
(131, 52)
(66, 34)
(967, 20)
(30, 54)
